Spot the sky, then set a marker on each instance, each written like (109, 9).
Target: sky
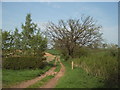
(106, 14)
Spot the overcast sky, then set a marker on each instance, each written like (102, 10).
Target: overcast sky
(106, 13)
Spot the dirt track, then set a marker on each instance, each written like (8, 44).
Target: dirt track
(53, 81)
(49, 56)
(49, 84)
(30, 82)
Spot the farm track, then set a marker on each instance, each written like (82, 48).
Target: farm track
(27, 83)
(51, 83)
(31, 82)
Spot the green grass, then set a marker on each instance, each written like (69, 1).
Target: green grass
(12, 77)
(58, 67)
(99, 69)
(98, 63)
(103, 64)
(78, 78)
(41, 82)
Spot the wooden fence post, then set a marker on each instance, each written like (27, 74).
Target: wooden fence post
(72, 65)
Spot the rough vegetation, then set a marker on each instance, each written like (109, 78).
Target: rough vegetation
(101, 64)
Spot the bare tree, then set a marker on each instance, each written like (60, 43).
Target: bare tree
(67, 35)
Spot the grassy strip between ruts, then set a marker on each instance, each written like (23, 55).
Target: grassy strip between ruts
(41, 82)
(47, 78)
(13, 77)
(58, 67)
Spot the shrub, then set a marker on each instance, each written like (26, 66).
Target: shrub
(114, 53)
(17, 63)
(79, 52)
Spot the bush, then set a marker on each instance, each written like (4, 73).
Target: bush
(113, 52)
(17, 63)
(79, 52)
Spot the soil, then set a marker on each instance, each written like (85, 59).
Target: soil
(49, 56)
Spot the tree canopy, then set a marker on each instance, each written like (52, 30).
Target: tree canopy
(29, 40)
(74, 33)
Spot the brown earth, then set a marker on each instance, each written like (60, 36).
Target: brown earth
(49, 56)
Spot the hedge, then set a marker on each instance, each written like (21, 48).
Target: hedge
(17, 63)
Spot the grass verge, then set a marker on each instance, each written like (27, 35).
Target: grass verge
(102, 64)
(78, 78)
